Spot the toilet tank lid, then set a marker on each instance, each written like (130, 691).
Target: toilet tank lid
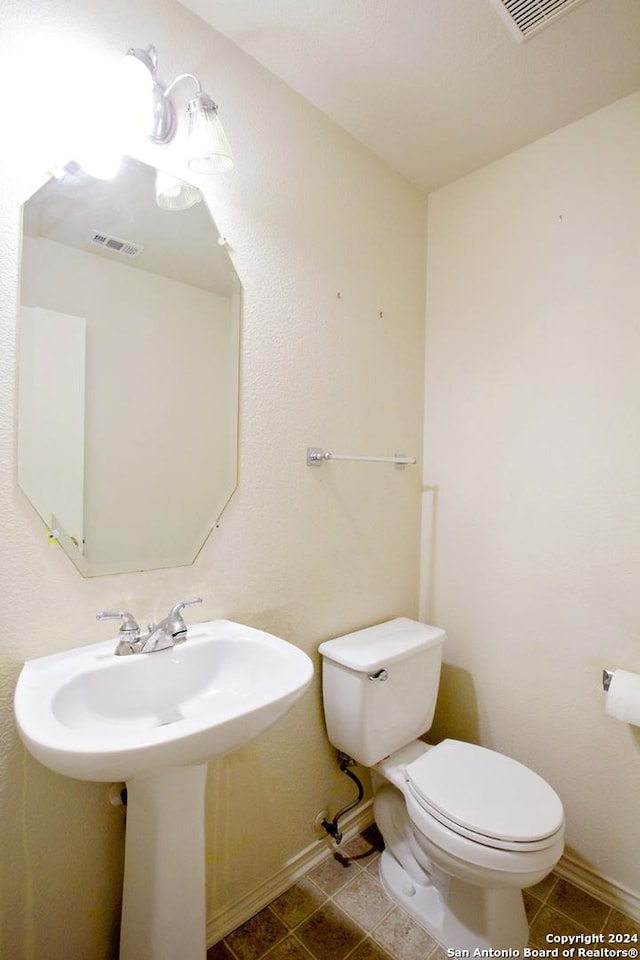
(378, 646)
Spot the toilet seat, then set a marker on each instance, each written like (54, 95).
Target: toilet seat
(486, 797)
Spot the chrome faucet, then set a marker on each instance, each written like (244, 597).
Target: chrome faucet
(170, 631)
(167, 633)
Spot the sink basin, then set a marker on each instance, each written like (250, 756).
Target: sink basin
(89, 714)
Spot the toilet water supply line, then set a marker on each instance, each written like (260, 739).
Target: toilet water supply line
(332, 827)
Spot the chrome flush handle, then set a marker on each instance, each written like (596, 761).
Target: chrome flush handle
(380, 675)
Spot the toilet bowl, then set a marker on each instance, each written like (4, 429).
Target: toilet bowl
(470, 828)
(465, 828)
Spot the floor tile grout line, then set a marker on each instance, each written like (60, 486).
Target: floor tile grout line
(559, 910)
(544, 901)
(389, 909)
(583, 928)
(395, 906)
(366, 934)
(541, 904)
(232, 952)
(357, 947)
(292, 931)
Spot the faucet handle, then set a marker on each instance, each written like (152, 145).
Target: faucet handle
(129, 623)
(176, 611)
(175, 621)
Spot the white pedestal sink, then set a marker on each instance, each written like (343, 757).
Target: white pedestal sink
(155, 720)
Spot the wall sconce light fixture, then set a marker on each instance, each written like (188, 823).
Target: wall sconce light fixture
(209, 150)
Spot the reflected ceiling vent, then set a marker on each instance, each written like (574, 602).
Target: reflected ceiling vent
(115, 244)
(527, 17)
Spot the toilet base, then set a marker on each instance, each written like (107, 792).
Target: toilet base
(456, 914)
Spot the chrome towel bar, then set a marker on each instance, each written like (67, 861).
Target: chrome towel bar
(315, 456)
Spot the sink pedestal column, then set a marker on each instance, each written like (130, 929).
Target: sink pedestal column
(164, 898)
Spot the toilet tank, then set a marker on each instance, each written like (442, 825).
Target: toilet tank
(379, 687)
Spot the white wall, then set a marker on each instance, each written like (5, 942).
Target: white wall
(532, 457)
(330, 248)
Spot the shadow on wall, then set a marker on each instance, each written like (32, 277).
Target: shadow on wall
(456, 715)
(67, 842)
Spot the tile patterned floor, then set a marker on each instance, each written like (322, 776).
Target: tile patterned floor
(340, 911)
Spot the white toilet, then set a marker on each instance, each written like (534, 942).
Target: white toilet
(465, 828)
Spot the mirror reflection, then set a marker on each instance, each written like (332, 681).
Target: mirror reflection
(128, 368)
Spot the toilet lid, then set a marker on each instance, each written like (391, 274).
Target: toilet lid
(484, 794)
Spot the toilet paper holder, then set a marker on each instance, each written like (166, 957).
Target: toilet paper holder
(607, 676)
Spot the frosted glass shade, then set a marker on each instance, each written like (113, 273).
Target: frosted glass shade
(209, 150)
(174, 194)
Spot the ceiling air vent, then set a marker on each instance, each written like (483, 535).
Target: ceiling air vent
(124, 247)
(527, 17)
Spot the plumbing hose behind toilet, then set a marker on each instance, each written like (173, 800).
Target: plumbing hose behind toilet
(332, 826)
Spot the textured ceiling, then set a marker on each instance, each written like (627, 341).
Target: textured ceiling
(438, 88)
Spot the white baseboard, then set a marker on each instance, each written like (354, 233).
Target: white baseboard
(255, 900)
(234, 915)
(603, 888)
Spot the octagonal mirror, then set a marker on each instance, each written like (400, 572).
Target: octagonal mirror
(129, 330)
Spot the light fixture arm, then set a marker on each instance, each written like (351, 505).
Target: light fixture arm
(183, 76)
(216, 155)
